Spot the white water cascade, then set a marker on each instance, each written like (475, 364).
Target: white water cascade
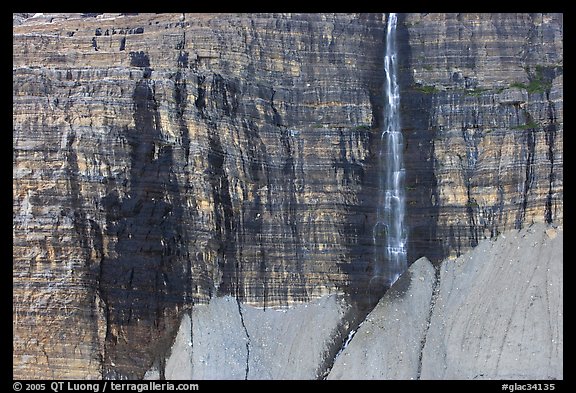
(389, 233)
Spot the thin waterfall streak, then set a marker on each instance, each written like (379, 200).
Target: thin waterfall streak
(389, 233)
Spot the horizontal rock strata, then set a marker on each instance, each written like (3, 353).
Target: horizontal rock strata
(164, 160)
(161, 160)
(482, 113)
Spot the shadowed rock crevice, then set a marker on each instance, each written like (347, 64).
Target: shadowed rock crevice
(551, 130)
(247, 338)
(364, 286)
(223, 242)
(433, 299)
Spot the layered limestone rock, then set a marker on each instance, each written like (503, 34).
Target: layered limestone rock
(162, 160)
(483, 119)
(496, 312)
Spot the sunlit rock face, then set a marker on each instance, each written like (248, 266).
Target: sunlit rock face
(483, 116)
(160, 160)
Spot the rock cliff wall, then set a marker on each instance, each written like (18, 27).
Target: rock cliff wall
(161, 160)
(483, 119)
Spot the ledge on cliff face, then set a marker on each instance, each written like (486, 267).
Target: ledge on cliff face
(495, 313)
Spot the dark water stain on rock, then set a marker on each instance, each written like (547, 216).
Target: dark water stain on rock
(148, 280)
(422, 197)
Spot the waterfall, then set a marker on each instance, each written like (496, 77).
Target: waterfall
(389, 232)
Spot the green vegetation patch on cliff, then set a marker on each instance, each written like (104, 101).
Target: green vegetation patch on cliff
(540, 79)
